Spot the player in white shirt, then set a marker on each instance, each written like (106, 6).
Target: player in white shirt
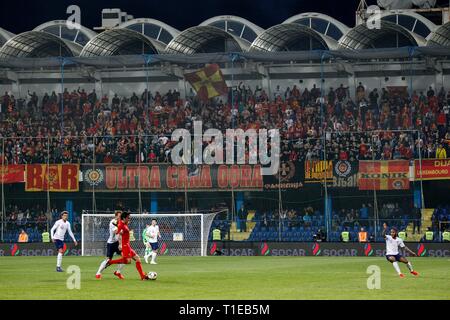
(112, 246)
(57, 233)
(151, 241)
(392, 253)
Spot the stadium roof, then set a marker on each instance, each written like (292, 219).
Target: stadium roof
(120, 42)
(321, 23)
(37, 44)
(441, 36)
(412, 21)
(225, 33)
(5, 36)
(205, 39)
(153, 29)
(79, 35)
(237, 26)
(389, 35)
(291, 37)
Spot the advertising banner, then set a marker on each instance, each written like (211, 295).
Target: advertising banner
(236, 248)
(327, 249)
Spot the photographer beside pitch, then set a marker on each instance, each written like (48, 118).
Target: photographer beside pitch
(392, 253)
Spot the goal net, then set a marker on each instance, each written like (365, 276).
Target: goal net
(181, 234)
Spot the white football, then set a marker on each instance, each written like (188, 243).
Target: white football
(152, 275)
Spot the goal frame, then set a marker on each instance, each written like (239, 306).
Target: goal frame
(203, 242)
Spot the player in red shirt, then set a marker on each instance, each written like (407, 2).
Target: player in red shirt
(127, 252)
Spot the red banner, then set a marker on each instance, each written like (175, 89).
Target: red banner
(164, 177)
(55, 177)
(432, 169)
(12, 173)
(384, 175)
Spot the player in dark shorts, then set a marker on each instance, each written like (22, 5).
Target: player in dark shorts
(127, 252)
(112, 247)
(393, 255)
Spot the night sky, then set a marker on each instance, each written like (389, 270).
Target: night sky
(22, 15)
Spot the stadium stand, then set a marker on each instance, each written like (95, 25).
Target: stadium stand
(118, 122)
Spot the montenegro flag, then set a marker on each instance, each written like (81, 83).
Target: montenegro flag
(208, 82)
(383, 175)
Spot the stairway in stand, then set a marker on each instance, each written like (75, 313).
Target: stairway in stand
(426, 222)
(236, 235)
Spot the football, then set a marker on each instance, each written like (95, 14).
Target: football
(152, 275)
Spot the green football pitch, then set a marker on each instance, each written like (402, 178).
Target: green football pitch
(227, 278)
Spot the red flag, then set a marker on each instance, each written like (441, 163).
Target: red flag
(383, 175)
(208, 82)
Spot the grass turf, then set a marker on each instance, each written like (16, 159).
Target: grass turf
(227, 278)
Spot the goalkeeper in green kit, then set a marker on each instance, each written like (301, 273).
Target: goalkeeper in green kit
(148, 248)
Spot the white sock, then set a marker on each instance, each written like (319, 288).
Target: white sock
(153, 256)
(102, 266)
(396, 267)
(119, 268)
(59, 260)
(410, 267)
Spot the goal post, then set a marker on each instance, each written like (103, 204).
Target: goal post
(182, 234)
